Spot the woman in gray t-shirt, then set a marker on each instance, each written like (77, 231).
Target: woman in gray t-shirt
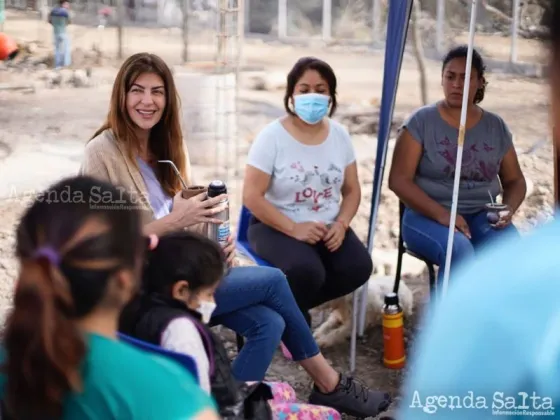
(423, 168)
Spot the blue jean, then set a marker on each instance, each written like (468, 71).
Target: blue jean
(62, 51)
(257, 303)
(428, 238)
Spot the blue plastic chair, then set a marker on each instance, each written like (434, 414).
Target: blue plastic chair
(242, 245)
(242, 240)
(183, 359)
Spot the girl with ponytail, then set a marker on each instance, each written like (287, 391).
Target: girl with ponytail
(80, 254)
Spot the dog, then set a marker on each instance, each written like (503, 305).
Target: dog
(338, 326)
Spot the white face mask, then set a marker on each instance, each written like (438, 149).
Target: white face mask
(206, 309)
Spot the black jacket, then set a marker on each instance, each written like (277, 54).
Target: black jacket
(148, 317)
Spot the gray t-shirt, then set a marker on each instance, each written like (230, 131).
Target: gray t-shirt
(485, 146)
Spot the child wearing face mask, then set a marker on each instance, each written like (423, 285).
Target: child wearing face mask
(180, 278)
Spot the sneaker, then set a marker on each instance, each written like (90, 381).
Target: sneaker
(352, 398)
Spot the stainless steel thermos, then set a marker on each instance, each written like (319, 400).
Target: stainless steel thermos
(219, 232)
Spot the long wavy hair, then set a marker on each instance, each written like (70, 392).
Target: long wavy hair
(166, 138)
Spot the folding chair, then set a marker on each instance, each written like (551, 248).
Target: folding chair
(183, 359)
(402, 250)
(242, 240)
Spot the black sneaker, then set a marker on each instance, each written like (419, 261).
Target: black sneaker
(352, 398)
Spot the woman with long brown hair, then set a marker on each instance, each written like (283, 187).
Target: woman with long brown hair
(80, 262)
(143, 128)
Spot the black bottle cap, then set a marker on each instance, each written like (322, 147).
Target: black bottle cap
(216, 188)
(391, 299)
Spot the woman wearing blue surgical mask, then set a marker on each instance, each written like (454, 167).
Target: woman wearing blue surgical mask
(301, 184)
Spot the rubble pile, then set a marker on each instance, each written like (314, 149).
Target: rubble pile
(35, 62)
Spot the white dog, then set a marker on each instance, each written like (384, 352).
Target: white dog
(338, 326)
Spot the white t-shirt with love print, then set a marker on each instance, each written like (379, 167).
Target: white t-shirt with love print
(305, 180)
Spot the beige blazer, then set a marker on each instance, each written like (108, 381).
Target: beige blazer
(107, 160)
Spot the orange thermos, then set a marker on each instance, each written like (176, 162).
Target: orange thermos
(394, 356)
(8, 47)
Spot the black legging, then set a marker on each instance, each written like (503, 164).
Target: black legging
(315, 274)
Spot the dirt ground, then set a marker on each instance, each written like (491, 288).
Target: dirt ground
(42, 134)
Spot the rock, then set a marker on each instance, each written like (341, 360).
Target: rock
(267, 81)
(541, 190)
(66, 75)
(31, 48)
(75, 78)
(80, 79)
(53, 78)
(364, 119)
(530, 187)
(255, 82)
(275, 81)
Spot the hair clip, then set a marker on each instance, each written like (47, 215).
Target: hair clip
(49, 253)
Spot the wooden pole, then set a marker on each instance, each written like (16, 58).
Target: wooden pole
(223, 38)
(282, 19)
(440, 20)
(2, 14)
(120, 18)
(245, 6)
(327, 20)
(185, 11)
(419, 51)
(242, 29)
(376, 22)
(514, 27)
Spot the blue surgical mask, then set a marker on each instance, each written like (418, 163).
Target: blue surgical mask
(311, 107)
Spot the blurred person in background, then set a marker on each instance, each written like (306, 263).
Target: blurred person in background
(59, 18)
(79, 266)
(491, 347)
